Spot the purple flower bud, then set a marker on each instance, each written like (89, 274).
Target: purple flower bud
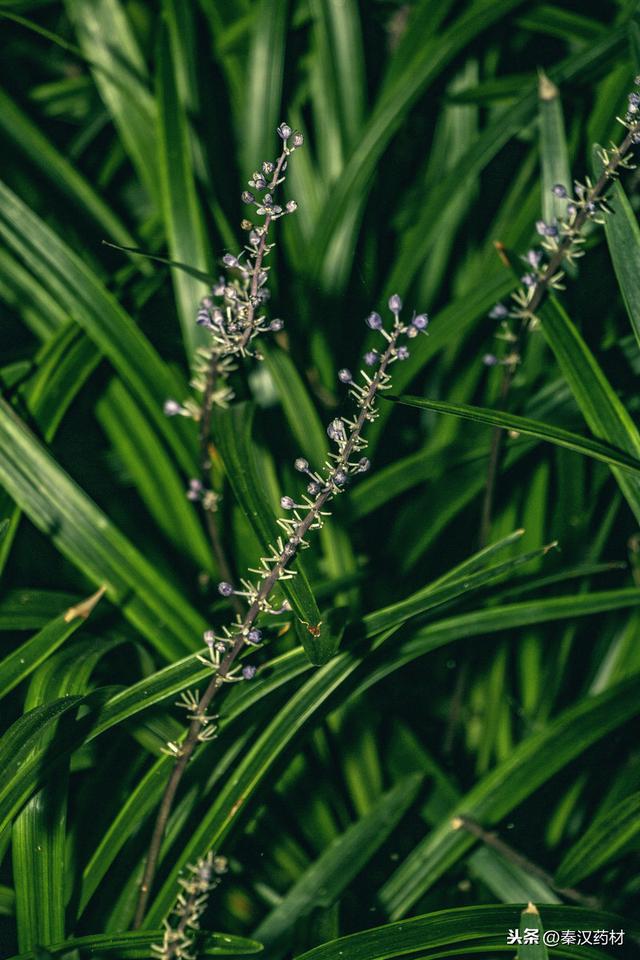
(225, 589)
(254, 635)
(287, 503)
(541, 227)
(528, 280)
(340, 477)
(345, 376)
(374, 320)
(247, 196)
(551, 230)
(203, 319)
(490, 360)
(291, 206)
(634, 99)
(364, 465)
(297, 140)
(560, 191)
(284, 131)
(591, 208)
(571, 209)
(171, 408)
(402, 353)
(336, 430)
(395, 304)
(533, 258)
(229, 260)
(267, 167)
(276, 325)
(314, 488)
(209, 637)
(301, 464)
(499, 312)
(248, 672)
(371, 358)
(421, 321)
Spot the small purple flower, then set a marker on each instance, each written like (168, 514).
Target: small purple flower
(551, 230)
(336, 431)
(403, 353)
(395, 304)
(528, 280)
(254, 635)
(541, 227)
(374, 320)
(571, 209)
(247, 197)
(314, 488)
(499, 312)
(276, 325)
(371, 358)
(287, 503)
(421, 322)
(249, 672)
(209, 637)
(172, 408)
(533, 258)
(634, 99)
(340, 477)
(301, 465)
(291, 206)
(225, 589)
(490, 360)
(560, 191)
(297, 140)
(204, 319)
(364, 465)
(591, 208)
(229, 260)
(284, 131)
(345, 376)
(267, 167)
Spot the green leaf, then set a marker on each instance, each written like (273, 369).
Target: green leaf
(38, 836)
(108, 41)
(602, 409)
(232, 429)
(528, 766)
(531, 929)
(181, 208)
(39, 150)
(603, 841)
(553, 150)
(464, 927)
(530, 428)
(28, 656)
(263, 81)
(75, 287)
(334, 241)
(87, 537)
(135, 945)
(323, 882)
(623, 237)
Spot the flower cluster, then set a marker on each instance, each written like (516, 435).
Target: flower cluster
(179, 929)
(304, 513)
(561, 240)
(233, 310)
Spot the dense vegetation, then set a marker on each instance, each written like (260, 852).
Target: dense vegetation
(443, 721)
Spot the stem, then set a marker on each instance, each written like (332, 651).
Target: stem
(514, 856)
(290, 550)
(539, 291)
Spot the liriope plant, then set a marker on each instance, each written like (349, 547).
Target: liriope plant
(234, 325)
(561, 243)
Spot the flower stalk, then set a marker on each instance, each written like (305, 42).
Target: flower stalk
(224, 649)
(561, 242)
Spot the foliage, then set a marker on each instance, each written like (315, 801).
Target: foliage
(428, 685)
